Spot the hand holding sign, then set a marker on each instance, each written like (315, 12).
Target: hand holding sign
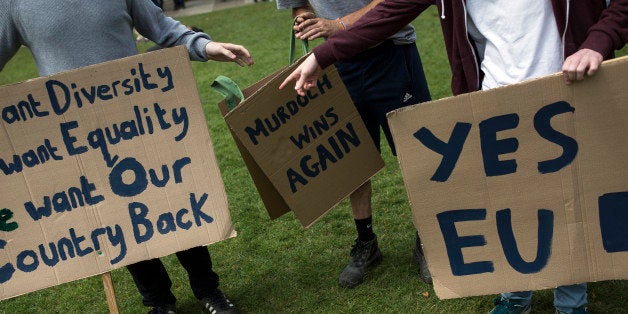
(534, 175)
(105, 166)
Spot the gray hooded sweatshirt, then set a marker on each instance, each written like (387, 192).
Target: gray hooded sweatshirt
(67, 34)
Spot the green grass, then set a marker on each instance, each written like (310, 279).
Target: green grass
(278, 266)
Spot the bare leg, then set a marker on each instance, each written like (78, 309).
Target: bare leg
(361, 201)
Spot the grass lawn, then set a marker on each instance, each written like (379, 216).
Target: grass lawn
(279, 266)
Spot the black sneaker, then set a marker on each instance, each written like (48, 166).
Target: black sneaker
(424, 272)
(363, 256)
(165, 309)
(217, 303)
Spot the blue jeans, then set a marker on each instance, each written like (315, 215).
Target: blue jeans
(566, 298)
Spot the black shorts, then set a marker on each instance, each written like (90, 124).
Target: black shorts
(382, 79)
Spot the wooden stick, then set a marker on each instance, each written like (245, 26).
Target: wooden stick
(110, 293)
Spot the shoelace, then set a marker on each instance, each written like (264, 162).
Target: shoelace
(362, 249)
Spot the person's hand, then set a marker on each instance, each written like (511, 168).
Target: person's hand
(309, 27)
(585, 61)
(226, 52)
(305, 75)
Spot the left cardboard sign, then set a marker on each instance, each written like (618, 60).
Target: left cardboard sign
(102, 167)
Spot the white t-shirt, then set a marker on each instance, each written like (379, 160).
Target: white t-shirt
(516, 39)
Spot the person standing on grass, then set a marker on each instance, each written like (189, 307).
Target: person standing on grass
(491, 44)
(68, 34)
(381, 79)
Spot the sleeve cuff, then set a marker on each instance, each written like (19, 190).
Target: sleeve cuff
(598, 41)
(198, 51)
(324, 57)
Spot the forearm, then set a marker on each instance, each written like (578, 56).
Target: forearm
(611, 31)
(351, 18)
(153, 24)
(385, 19)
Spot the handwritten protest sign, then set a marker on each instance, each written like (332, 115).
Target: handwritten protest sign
(523, 187)
(102, 167)
(305, 153)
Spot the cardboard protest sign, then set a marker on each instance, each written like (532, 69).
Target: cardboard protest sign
(523, 187)
(102, 167)
(305, 154)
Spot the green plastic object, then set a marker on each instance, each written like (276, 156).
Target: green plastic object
(304, 45)
(229, 89)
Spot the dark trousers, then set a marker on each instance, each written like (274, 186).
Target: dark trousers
(153, 282)
(382, 79)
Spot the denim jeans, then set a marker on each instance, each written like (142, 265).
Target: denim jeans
(566, 298)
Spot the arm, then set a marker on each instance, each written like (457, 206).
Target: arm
(350, 19)
(9, 37)
(227, 52)
(152, 23)
(379, 23)
(308, 26)
(608, 34)
(384, 20)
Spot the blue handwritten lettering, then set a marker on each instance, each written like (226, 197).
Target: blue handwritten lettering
(138, 219)
(140, 178)
(450, 151)
(613, 209)
(455, 243)
(543, 126)
(509, 244)
(492, 148)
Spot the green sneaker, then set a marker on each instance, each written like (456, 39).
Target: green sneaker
(505, 306)
(363, 256)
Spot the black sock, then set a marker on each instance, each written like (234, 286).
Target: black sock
(365, 229)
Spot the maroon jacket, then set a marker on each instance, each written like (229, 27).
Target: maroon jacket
(589, 25)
